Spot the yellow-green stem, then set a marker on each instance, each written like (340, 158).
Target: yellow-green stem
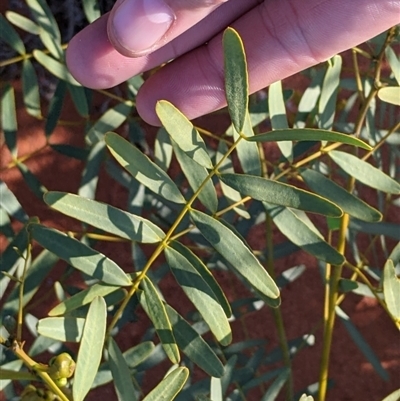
(32, 365)
(277, 313)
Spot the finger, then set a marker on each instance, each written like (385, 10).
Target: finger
(280, 38)
(138, 27)
(94, 62)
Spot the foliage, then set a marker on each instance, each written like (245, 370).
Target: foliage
(197, 217)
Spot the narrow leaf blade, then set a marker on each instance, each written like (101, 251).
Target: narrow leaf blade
(365, 172)
(105, 217)
(205, 273)
(183, 133)
(196, 175)
(193, 345)
(201, 295)
(170, 386)
(155, 309)
(309, 134)
(279, 193)
(391, 289)
(62, 328)
(91, 349)
(143, 169)
(121, 374)
(301, 235)
(236, 79)
(79, 255)
(235, 251)
(109, 121)
(348, 202)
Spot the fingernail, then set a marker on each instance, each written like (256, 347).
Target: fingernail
(139, 24)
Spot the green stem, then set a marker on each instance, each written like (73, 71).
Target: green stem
(277, 313)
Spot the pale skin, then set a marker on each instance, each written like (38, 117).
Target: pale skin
(281, 37)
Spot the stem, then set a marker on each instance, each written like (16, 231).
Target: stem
(277, 313)
(21, 290)
(332, 288)
(32, 365)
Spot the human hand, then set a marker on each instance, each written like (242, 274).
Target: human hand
(281, 37)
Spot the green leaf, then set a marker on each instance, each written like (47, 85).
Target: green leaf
(391, 289)
(346, 285)
(32, 181)
(155, 310)
(143, 169)
(62, 328)
(91, 9)
(394, 62)
(79, 98)
(110, 120)
(163, 149)
(231, 195)
(193, 345)
(229, 370)
(236, 252)
(83, 297)
(389, 229)
(11, 205)
(365, 172)
(328, 98)
(79, 255)
(390, 94)
(395, 254)
(216, 389)
(136, 355)
(105, 217)
(55, 107)
(22, 22)
(9, 118)
(309, 134)
(49, 32)
(248, 152)
(347, 201)
(90, 175)
(277, 112)
(13, 251)
(206, 275)
(55, 67)
(302, 235)
(91, 349)
(183, 133)
(10, 36)
(170, 386)
(395, 396)
(121, 374)
(13, 365)
(38, 270)
(13, 375)
(275, 388)
(362, 345)
(201, 295)
(71, 151)
(306, 397)
(196, 175)
(30, 89)
(236, 79)
(279, 193)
